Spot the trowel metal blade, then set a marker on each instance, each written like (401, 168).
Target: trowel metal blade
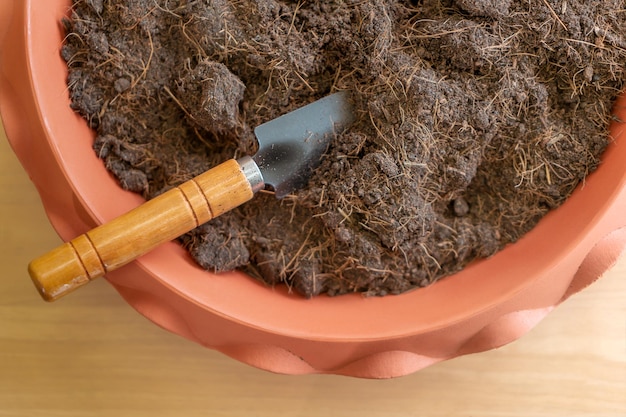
(291, 146)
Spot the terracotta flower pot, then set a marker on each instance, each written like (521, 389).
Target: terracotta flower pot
(490, 303)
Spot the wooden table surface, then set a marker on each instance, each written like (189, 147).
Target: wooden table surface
(91, 354)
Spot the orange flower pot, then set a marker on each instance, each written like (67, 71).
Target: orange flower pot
(490, 303)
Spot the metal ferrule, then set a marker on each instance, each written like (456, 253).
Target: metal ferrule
(252, 173)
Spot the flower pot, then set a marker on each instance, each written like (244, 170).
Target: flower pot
(490, 303)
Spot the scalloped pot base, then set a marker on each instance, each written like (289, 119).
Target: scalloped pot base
(490, 303)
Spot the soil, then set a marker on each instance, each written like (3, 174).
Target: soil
(475, 118)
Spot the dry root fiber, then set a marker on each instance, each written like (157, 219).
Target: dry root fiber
(475, 118)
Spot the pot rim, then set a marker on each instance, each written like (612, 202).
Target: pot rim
(557, 244)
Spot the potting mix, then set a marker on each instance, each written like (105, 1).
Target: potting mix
(474, 119)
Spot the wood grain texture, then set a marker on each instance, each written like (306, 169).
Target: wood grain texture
(92, 355)
(124, 239)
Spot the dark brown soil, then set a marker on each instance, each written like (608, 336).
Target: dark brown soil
(475, 118)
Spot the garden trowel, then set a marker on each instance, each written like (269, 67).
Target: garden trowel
(290, 147)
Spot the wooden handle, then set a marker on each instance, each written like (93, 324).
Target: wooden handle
(135, 233)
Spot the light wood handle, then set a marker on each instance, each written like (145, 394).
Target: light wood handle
(164, 218)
